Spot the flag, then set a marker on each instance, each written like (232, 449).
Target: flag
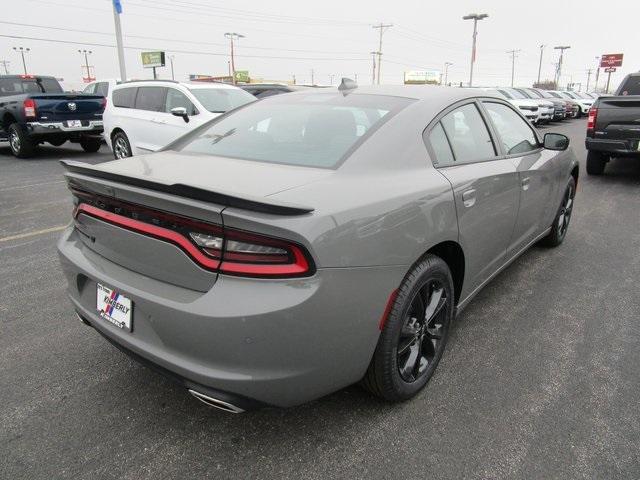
(118, 6)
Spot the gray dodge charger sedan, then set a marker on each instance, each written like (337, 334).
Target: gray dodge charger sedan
(312, 240)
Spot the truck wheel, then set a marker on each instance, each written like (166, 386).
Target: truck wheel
(90, 145)
(21, 145)
(561, 221)
(415, 333)
(121, 146)
(595, 163)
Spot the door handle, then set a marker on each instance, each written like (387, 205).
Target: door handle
(155, 120)
(525, 183)
(469, 198)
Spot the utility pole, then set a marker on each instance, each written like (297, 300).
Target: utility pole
(117, 10)
(446, 71)
(382, 27)
(513, 64)
(5, 64)
(595, 87)
(86, 63)
(475, 17)
(313, 82)
(355, 77)
(373, 77)
(331, 79)
(22, 50)
(559, 72)
(540, 64)
(231, 36)
(588, 79)
(171, 57)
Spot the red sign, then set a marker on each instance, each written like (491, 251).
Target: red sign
(610, 69)
(611, 60)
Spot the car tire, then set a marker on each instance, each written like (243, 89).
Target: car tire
(415, 332)
(90, 145)
(19, 142)
(561, 221)
(595, 163)
(121, 146)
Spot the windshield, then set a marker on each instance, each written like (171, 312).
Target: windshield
(516, 94)
(534, 93)
(550, 94)
(220, 100)
(315, 130)
(567, 95)
(631, 86)
(500, 93)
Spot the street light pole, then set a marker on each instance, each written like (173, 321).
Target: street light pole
(171, 57)
(446, 71)
(559, 74)
(86, 62)
(475, 17)
(22, 50)
(117, 10)
(595, 87)
(231, 36)
(540, 64)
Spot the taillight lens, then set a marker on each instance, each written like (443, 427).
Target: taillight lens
(591, 121)
(211, 246)
(104, 103)
(29, 107)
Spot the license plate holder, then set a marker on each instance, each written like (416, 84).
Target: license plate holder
(74, 123)
(114, 307)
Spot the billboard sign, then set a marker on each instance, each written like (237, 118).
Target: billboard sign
(610, 69)
(421, 77)
(242, 76)
(152, 59)
(611, 60)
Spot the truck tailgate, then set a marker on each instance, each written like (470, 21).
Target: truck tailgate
(618, 118)
(60, 107)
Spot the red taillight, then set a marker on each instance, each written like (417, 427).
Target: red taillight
(104, 103)
(591, 121)
(29, 107)
(212, 247)
(27, 76)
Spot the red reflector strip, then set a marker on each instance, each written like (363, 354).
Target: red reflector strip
(387, 310)
(151, 230)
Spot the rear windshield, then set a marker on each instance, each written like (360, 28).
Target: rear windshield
(220, 100)
(315, 130)
(16, 86)
(631, 86)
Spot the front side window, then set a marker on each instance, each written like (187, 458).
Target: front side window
(468, 134)
(515, 134)
(151, 99)
(220, 100)
(175, 99)
(315, 130)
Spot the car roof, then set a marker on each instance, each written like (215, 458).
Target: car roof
(166, 83)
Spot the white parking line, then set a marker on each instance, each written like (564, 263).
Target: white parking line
(33, 234)
(29, 186)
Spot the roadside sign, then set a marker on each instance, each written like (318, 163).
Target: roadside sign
(421, 77)
(152, 59)
(610, 69)
(611, 60)
(242, 76)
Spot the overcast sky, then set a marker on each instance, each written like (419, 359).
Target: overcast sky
(332, 37)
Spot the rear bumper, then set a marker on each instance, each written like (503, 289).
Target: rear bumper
(253, 341)
(57, 128)
(629, 147)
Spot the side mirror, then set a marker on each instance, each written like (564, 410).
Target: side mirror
(556, 141)
(180, 112)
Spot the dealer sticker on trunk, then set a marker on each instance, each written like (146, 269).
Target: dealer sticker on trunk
(114, 307)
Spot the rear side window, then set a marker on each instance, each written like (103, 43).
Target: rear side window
(468, 134)
(10, 86)
(90, 88)
(440, 146)
(124, 97)
(631, 86)
(151, 98)
(515, 133)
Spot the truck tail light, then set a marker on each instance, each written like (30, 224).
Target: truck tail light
(29, 107)
(104, 103)
(591, 121)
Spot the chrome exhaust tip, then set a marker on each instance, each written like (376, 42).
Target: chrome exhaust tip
(214, 402)
(81, 318)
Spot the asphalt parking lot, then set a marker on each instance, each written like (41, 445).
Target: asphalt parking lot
(539, 380)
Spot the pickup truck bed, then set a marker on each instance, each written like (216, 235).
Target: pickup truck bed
(34, 110)
(613, 128)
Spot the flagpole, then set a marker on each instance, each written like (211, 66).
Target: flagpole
(117, 10)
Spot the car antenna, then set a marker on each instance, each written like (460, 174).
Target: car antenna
(347, 84)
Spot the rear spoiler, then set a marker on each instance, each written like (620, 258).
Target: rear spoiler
(227, 199)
